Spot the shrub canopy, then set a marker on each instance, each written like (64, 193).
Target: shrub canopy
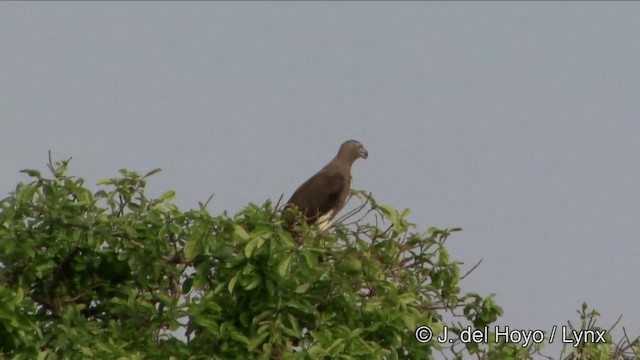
(114, 274)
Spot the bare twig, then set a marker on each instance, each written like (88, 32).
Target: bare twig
(356, 209)
(206, 203)
(275, 208)
(278, 203)
(631, 346)
(366, 213)
(85, 291)
(50, 164)
(615, 323)
(137, 243)
(124, 235)
(471, 270)
(121, 204)
(51, 167)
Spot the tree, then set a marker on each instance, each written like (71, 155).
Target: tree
(114, 274)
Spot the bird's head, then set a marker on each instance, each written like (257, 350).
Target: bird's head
(353, 149)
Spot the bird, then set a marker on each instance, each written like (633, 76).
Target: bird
(324, 194)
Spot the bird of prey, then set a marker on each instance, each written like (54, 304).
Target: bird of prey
(322, 196)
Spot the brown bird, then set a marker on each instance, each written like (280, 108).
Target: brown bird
(322, 196)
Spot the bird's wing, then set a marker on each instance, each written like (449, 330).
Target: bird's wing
(320, 194)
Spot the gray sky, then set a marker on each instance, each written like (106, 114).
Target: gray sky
(518, 122)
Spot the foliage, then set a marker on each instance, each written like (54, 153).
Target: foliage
(114, 274)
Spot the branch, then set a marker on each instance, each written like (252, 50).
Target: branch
(58, 274)
(51, 167)
(50, 164)
(275, 208)
(631, 346)
(206, 203)
(124, 235)
(85, 292)
(355, 210)
(473, 268)
(42, 301)
(615, 323)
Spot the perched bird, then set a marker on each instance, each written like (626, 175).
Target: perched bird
(322, 196)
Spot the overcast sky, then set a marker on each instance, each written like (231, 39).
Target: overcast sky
(519, 122)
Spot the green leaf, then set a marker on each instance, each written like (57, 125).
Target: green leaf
(235, 334)
(85, 196)
(232, 282)
(106, 182)
(86, 351)
(286, 237)
(321, 336)
(271, 287)
(407, 298)
(31, 172)
(240, 232)
(409, 321)
(350, 266)
(283, 267)
(263, 315)
(191, 249)
(336, 348)
(152, 172)
(256, 341)
(251, 246)
(26, 192)
(388, 210)
(167, 196)
(255, 281)
(301, 289)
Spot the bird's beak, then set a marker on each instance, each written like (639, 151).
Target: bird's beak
(363, 153)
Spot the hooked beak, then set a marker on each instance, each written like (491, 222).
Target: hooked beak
(363, 153)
